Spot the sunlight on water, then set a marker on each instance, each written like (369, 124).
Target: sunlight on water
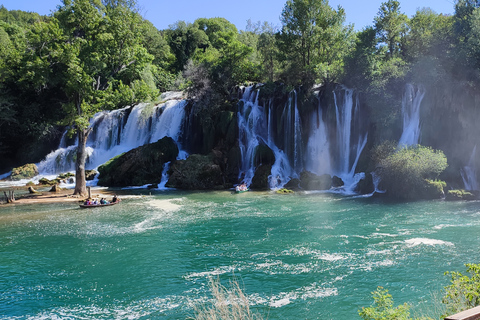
(301, 256)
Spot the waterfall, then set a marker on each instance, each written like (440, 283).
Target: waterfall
(250, 125)
(256, 127)
(469, 174)
(411, 101)
(318, 147)
(294, 149)
(119, 131)
(348, 141)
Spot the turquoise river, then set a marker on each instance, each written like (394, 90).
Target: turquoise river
(300, 256)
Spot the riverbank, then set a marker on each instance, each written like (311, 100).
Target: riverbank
(44, 195)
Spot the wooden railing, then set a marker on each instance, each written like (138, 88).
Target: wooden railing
(471, 314)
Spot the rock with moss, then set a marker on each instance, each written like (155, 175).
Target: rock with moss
(311, 181)
(434, 189)
(284, 191)
(90, 174)
(197, 172)
(140, 166)
(67, 175)
(263, 155)
(337, 182)
(47, 182)
(260, 178)
(293, 184)
(365, 185)
(459, 194)
(27, 171)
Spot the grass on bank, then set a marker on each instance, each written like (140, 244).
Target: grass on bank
(226, 303)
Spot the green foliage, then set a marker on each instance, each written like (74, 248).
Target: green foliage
(429, 33)
(464, 291)
(382, 308)
(459, 195)
(406, 174)
(391, 26)
(314, 40)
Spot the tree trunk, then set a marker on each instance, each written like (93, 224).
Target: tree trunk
(80, 181)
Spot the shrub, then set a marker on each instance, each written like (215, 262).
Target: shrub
(408, 173)
(464, 291)
(382, 308)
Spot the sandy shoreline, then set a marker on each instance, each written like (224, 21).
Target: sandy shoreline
(22, 196)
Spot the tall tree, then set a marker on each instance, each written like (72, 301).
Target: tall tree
(94, 49)
(313, 36)
(391, 26)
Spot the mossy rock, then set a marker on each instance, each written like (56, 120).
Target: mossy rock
(140, 166)
(310, 181)
(260, 178)
(365, 185)
(67, 175)
(264, 155)
(459, 194)
(434, 189)
(284, 191)
(197, 172)
(337, 182)
(27, 171)
(293, 184)
(47, 182)
(90, 174)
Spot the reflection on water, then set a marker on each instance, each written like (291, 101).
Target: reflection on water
(301, 256)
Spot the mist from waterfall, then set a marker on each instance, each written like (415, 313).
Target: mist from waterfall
(119, 131)
(469, 173)
(318, 147)
(411, 102)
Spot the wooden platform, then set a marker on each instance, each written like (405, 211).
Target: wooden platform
(471, 314)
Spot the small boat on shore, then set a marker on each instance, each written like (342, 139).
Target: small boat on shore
(98, 205)
(241, 188)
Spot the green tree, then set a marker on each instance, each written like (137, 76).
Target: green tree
(268, 49)
(184, 39)
(391, 27)
(314, 39)
(94, 50)
(430, 34)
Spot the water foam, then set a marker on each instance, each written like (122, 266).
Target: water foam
(430, 242)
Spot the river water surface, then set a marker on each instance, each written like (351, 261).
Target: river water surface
(301, 256)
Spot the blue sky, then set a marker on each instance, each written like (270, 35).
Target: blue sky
(163, 13)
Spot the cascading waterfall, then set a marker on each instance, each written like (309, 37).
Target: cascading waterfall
(256, 128)
(469, 173)
(119, 131)
(347, 111)
(318, 147)
(283, 135)
(411, 102)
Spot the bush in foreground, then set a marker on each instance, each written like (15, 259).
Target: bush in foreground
(411, 173)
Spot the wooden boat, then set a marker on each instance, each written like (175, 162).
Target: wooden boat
(98, 205)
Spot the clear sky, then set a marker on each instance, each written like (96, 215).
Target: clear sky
(163, 13)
